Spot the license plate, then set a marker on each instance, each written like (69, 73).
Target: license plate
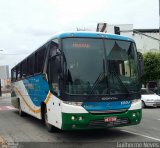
(110, 119)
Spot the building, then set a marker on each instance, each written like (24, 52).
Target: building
(146, 39)
(4, 72)
(4, 78)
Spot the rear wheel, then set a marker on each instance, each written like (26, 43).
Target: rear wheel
(143, 104)
(49, 127)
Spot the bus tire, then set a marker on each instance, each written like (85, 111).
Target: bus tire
(43, 106)
(20, 112)
(49, 127)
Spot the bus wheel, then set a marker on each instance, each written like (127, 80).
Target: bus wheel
(20, 112)
(50, 127)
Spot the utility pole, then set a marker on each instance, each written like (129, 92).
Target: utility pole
(0, 89)
(0, 82)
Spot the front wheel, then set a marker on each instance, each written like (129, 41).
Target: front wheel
(49, 127)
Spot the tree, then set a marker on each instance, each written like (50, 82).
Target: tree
(151, 67)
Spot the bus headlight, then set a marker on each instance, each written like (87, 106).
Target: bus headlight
(73, 118)
(136, 104)
(134, 114)
(73, 103)
(80, 118)
(135, 101)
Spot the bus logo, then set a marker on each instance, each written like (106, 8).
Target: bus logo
(109, 98)
(125, 102)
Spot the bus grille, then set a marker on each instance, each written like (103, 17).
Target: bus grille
(109, 111)
(102, 124)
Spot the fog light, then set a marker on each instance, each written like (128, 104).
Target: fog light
(73, 118)
(80, 118)
(73, 126)
(134, 114)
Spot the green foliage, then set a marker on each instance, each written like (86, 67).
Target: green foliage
(151, 67)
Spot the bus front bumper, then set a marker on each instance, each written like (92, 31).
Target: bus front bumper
(82, 121)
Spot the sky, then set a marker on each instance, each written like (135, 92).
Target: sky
(25, 25)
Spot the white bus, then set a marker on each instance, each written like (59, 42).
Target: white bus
(80, 80)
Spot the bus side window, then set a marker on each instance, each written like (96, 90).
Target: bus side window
(24, 68)
(13, 75)
(53, 65)
(53, 50)
(30, 65)
(53, 71)
(17, 72)
(39, 60)
(53, 47)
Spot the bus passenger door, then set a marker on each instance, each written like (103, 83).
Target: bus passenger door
(54, 114)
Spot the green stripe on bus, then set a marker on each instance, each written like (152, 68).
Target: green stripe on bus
(82, 121)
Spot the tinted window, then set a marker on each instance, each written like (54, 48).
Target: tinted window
(30, 65)
(18, 72)
(24, 68)
(13, 74)
(146, 92)
(122, 65)
(40, 59)
(53, 48)
(84, 62)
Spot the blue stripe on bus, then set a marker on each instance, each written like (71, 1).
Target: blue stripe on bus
(93, 35)
(37, 88)
(113, 105)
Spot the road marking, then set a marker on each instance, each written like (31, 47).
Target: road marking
(158, 119)
(10, 107)
(141, 135)
(2, 108)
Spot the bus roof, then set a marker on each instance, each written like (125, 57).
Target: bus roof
(92, 35)
(83, 34)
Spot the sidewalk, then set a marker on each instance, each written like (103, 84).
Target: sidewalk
(5, 95)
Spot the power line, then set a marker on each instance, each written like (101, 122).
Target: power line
(14, 53)
(138, 32)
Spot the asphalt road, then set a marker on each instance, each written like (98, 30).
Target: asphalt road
(16, 130)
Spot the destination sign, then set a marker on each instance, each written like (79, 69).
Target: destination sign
(81, 45)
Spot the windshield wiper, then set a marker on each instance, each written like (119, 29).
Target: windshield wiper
(119, 80)
(96, 84)
(100, 78)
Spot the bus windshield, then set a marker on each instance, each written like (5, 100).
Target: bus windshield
(99, 66)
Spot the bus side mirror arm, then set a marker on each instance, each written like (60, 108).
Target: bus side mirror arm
(141, 62)
(142, 67)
